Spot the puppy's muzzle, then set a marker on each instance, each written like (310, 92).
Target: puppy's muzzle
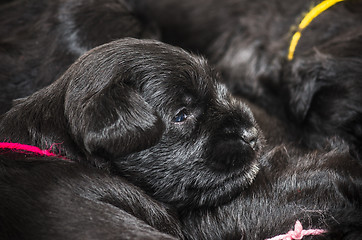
(248, 136)
(234, 147)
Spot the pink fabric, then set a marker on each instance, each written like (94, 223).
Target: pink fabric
(17, 147)
(298, 233)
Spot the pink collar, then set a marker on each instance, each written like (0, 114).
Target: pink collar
(298, 233)
(23, 148)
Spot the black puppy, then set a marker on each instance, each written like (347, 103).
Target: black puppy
(50, 198)
(40, 39)
(248, 41)
(151, 113)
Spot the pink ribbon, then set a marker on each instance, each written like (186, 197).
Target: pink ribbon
(298, 233)
(17, 147)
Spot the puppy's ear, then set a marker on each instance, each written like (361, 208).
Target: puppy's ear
(301, 84)
(116, 121)
(106, 113)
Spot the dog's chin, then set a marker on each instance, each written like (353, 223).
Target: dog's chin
(223, 187)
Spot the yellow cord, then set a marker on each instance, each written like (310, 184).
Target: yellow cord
(305, 22)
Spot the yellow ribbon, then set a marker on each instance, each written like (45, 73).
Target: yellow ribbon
(305, 22)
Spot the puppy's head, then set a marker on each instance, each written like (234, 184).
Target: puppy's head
(159, 115)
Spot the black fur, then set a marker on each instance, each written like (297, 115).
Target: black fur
(318, 91)
(116, 109)
(49, 198)
(322, 191)
(40, 39)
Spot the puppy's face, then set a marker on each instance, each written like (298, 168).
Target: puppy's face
(159, 115)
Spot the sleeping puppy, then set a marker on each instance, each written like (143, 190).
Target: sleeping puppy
(321, 191)
(151, 113)
(40, 39)
(52, 198)
(248, 41)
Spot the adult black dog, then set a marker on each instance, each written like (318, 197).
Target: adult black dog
(157, 117)
(40, 39)
(249, 40)
(151, 113)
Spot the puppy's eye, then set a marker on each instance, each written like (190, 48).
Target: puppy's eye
(181, 116)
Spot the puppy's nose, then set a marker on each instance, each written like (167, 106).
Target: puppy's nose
(250, 136)
(247, 135)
